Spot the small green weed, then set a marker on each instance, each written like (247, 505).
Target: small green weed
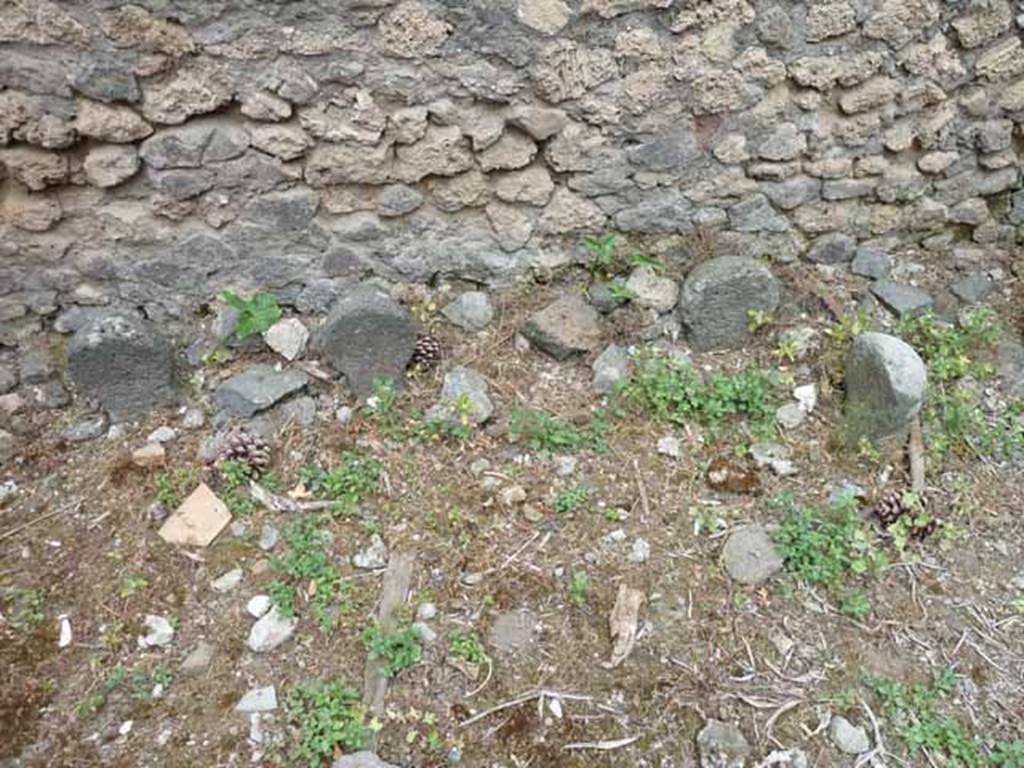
(171, 485)
(849, 326)
(758, 319)
(915, 712)
(579, 589)
(346, 483)
(828, 548)
(953, 351)
(398, 651)
(671, 391)
(547, 433)
(602, 253)
(329, 716)
(644, 260)
(95, 701)
(382, 409)
(130, 585)
(620, 293)
(26, 608)
(467, 645)
(236, 476)
(255, 315)
(307, 561)
(571, 500)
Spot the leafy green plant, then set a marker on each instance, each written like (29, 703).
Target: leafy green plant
(307, 561)
(131, 584)
(953, 351)
(643, 260)
(571, 499)
(95, 701)
(346, 483)
(579, 589)
(672, 391)
(602, 252)
(828, 548)
(328, 716)
(171, 485)
(255, 314)
(758, 319)
(620, 293)
(382, 409)
(916, 713)
(398, 651)
(547, 433)
(26, 608)
(236, 475)
(467, 645)
(849, 326)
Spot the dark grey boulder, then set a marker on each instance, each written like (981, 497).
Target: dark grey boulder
(564, 327)
(886, 381)
(367, 336)
(902, 299)
(124, 364)
(718, 297)
(258, 388)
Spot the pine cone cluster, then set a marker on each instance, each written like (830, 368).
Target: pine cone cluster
(248, 449)
(427, 352)
(893, 507)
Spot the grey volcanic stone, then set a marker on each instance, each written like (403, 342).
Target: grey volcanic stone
(258, 388)
(471, 311)
(463, 383)
(750, 556)
(974, 288)
(886, 382)
(849, 738)
(871, 262)
(367, 336)
(270, 631)
(610, 368)
(717, 297)
(902, 299)
(564, 327)
(124, 364)
(7, 446)
(722, 745)
(832, 249)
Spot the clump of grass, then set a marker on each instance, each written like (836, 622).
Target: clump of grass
(672, 391)
(346, 483)
(467, 645)
(328, 716)
(552, 435)
(307, 563)
(579, 589)
(399, 650)
(830, 548)
(570, 500)
(915, 713)
(955, 421)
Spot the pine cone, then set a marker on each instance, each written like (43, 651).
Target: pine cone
(889, 508)
(427, 353)
(248, 449)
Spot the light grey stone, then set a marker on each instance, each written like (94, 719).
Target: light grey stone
(270, 631)
(367, 336)
(258, 388)
(258, 700)
(471, 311)
(110, 165)
(374, 557)
(398, 200)
(199, 659)
(566, 326)
(258, 605)
(464, 396)
(363, 759)
(288, 337)
(750, 556)
(973, 288)
(722, 745)
(755, 214)
(8, 446)
(228, 581)
(902, 299)
(610, 368)
(718, 296)
(848, 738)
(88, 428)
(651, 290)
(160, 633)
(871, 262)
(122, 363)
(886, 382)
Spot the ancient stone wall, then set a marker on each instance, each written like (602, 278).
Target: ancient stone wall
(155, 152)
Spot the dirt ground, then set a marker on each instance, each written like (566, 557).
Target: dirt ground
(779, 658)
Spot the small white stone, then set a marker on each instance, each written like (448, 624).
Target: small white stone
(790, 415)
(258, 605)
(228, 581)
(270, 631)
(641, 551)
(287, 337)
(258, 700)
(162, 435)
(615, 537)
(426, 611)
(126, 727)
(670, 446)
(160, 632)
(65, 632)
(807, 396)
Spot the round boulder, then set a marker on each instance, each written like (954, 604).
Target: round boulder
(750, 556)
(718, 297)
(124, 364)
(886, 382)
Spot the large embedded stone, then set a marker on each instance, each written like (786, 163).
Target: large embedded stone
(886, 381)
(257, 389)
(564, 327)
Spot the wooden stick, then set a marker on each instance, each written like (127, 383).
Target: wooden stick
(42, 518)
(397, 580)
(603, 745)
(915, 448)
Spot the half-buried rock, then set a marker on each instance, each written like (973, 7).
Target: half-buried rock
(886, 382)
(367, 336)
(718, 298)
(257, 388)
(564, 327)
(124, 364)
